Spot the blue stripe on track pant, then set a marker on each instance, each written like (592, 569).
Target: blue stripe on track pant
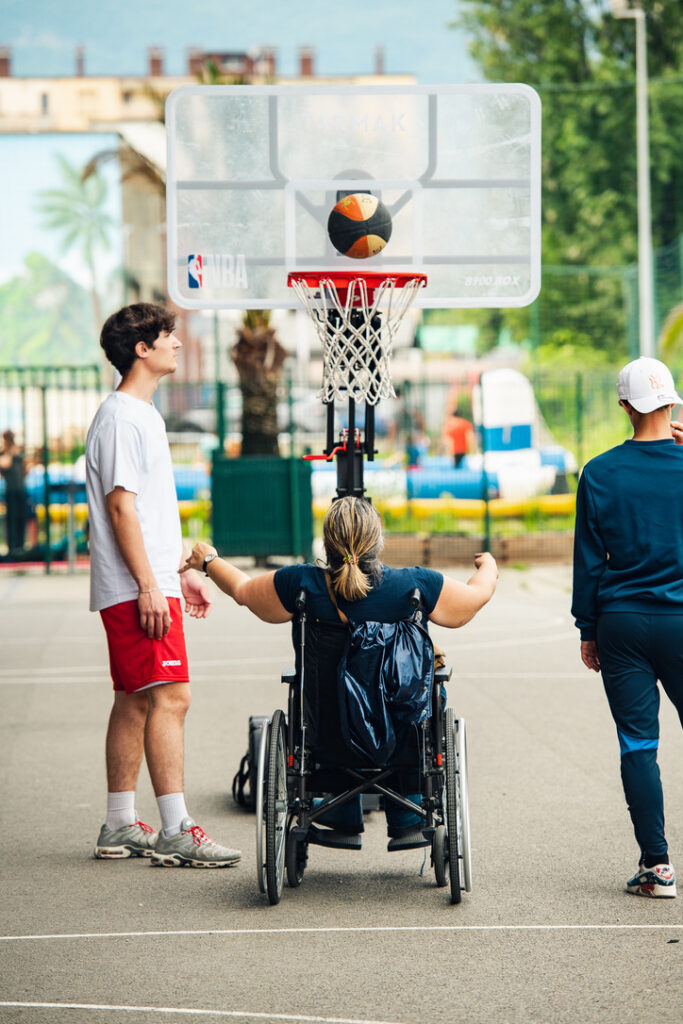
(636, 649)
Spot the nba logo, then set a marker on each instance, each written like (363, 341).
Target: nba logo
(194, 271)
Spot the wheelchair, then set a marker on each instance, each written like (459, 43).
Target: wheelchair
(302, 758)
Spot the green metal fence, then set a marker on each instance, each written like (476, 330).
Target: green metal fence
(577, 412)
(583, 317)
(49, 408)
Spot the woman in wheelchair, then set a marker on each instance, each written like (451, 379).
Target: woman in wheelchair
(355, 587)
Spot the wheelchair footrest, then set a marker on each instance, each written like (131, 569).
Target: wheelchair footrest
(335, 840)
(410, 841)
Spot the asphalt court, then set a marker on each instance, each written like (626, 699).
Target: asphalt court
(547, 935)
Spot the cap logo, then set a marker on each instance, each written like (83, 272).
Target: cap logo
(655, 383)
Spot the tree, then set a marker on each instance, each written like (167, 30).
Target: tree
(77, 211)
(45, 318)
(259, 357)
(671, 335)
(581, 60)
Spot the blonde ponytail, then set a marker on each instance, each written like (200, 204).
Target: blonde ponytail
(352, 534)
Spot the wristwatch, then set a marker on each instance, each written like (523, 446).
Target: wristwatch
(209, 558)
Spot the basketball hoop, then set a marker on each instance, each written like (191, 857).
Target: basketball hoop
(356, 316)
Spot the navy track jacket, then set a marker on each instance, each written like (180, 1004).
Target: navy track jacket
(628, 542)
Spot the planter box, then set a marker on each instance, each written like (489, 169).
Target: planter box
(262, 506)
(442, 549)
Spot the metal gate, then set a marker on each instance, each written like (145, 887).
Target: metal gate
(49, 410)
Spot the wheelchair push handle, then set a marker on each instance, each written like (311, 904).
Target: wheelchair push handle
(300, 602)
(416, 599)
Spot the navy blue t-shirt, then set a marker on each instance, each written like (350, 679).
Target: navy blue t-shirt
(388, 601)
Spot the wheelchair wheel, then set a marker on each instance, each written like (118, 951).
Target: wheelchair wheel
(260, 819)
(452, 806)
(296, 857)
(439, 856)
(463, 803)
(275, 800)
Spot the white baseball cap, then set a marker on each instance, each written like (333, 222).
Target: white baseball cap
(647, 384)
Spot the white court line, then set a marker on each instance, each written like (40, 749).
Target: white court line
(350, 930)
(191, 1012)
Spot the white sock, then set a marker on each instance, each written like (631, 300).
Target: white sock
(172, 810)
(121, 809)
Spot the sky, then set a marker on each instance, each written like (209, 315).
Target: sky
(416, 38)
(43, 36)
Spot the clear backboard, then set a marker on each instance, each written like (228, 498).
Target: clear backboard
(254, 171)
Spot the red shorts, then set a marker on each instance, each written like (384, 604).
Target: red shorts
(136, 660)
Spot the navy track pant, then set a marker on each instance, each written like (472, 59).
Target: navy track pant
(636, 650)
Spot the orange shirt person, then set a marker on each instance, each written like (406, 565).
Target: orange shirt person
(460, 433)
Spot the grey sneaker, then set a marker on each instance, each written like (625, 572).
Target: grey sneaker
(137, 840)
(192, 848)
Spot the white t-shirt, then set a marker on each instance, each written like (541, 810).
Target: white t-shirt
(127, 447)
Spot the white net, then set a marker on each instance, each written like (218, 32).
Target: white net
(356, 335)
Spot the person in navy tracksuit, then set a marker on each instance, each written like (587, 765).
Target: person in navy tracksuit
(628, 595)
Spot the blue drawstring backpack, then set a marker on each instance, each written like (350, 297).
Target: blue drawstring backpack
(384, 686)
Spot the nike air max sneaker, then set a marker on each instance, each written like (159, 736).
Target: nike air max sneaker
(192, 848)
(658, 882)
(137, 840)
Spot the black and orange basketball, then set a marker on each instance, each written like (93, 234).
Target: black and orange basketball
(359, 226)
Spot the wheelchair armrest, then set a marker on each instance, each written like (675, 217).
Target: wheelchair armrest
(442, 675)
(289, 678)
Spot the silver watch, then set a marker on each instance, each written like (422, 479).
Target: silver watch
(209, 558)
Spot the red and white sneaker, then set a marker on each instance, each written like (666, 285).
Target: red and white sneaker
(136, 840)
(658, 882)
(192, 848)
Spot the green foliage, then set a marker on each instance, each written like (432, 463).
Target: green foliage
(581, 60)
(46, 319)
(531, 521)
(564, 349)
(671, 337)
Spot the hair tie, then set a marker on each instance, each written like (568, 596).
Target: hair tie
(351, 559)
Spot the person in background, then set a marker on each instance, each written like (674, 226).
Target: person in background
(628, 596)
(136, 550)
(458, 433)
(16, 502)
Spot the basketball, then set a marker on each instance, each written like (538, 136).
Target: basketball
(359, 226)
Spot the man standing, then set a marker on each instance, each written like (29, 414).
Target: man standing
(628, 595)
(136, 550)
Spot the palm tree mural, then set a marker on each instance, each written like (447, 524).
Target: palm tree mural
(77, 210)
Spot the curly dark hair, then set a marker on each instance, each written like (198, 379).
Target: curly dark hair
(123, 330)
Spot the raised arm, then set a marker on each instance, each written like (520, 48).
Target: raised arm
(459, 602)
(258, 594)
